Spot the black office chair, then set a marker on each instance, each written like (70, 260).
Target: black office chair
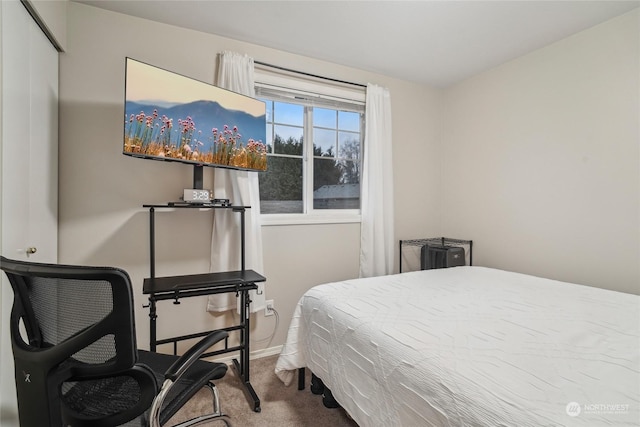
(76, 362)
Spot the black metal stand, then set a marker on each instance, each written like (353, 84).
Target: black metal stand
(184, 286)
(443, 241)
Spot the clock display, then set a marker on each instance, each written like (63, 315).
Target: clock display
(197, 196)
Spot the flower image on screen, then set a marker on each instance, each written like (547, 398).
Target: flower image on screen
(172, 117)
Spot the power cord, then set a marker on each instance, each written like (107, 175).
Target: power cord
(270, 336)
(273, 334)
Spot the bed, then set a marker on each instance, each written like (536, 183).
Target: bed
(470, 346)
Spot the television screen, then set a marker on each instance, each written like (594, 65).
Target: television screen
(172, 117)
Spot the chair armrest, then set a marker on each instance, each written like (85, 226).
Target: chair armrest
(178, 368)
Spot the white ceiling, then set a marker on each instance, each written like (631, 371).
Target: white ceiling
(433, 42)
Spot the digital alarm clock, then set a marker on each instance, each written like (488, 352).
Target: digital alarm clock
(192, 195)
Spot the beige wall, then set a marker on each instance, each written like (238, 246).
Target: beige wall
(541, 160)
(53, 15)
(536, 160)
(101, 217)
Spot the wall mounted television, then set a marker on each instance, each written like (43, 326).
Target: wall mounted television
(172, 117)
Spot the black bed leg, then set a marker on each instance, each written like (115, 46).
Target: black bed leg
(317, 386)
(327, 399)
(300, 378)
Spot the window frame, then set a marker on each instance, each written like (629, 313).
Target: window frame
(310, 94)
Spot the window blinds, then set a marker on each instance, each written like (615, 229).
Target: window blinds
(302, 89)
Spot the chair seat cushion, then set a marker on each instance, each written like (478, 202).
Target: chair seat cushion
(100, 397)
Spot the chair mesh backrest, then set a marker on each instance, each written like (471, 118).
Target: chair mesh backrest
(85, 312)
(65, 307)
(70, 325)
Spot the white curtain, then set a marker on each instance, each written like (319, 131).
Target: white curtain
(236, 73)
(377, 244)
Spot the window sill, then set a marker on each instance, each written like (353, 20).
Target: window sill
(305, 219)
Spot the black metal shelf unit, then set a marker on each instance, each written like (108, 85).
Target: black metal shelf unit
(190, 285)
(442, 241)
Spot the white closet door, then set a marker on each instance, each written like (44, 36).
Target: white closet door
(29, 138)
(29, 186)
(42, 231)
(15, 129)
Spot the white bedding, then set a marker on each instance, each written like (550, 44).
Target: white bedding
(470, 346)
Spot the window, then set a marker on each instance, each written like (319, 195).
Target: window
(314, 147)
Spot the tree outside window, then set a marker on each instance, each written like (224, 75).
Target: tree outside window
(313, 160)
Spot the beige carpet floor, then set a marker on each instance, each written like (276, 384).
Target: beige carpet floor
(281, 405)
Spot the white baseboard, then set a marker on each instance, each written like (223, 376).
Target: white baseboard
(265, 352)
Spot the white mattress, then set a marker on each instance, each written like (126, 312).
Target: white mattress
(470, 346)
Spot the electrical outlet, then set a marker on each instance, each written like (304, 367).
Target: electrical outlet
(268, 310)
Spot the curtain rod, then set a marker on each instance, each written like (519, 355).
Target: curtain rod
(308, 74)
